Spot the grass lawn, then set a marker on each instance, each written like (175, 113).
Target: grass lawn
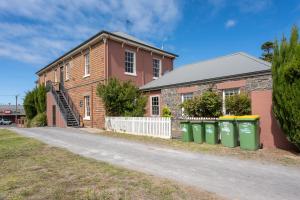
(30, 169)
(262, 155)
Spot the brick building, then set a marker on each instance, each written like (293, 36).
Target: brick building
(74, 76)
(226, 75)
(12, 112)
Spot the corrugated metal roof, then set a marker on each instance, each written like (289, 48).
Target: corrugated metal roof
(225, 66)
(21, 110)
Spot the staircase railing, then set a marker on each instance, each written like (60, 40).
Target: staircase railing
(52, 88)
(70, 103)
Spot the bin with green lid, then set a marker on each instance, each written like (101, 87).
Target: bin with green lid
(211, 131)
(186, 128)
(248, 127)
(228, 131)
(198, 131)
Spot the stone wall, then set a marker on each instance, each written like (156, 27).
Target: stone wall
(171, 98)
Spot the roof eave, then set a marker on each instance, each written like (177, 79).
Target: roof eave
(101, 34)
(244, 75)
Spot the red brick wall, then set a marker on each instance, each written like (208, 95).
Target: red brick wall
(143, 63)
(60, 122)
(79, 86)
(271, 133)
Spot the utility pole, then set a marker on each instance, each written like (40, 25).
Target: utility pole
(16, 109)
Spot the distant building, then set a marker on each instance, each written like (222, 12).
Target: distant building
(11, 112)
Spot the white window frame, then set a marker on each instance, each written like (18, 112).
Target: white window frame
(87, 64)
(183, 99)
(134, 63)
(55, 75)
(159, 68)
(67, 71)
(86, 111)
(224, 97)
(151, 113)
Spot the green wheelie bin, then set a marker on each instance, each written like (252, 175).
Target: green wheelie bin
(211, 131)
(198, 131)
(187, 134)
(248, 127)
(228, 131)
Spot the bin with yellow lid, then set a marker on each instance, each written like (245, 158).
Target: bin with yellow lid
(228, 131)
(248, 127)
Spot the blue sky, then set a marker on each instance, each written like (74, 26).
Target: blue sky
(34, 32)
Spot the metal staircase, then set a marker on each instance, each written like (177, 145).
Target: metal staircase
(66, 106)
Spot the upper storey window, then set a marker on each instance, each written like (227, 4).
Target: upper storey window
(156, 68)
(87, 64)
(130, 66)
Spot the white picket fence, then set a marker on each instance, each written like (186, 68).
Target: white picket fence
(146, 126)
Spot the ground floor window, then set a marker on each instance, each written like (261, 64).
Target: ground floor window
(87, 108)
(227, 93)
(185, 97)
(155, 105)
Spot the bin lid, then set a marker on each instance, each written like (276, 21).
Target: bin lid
(196, 122)
(227, 118)
(247, 118)
(184, 121)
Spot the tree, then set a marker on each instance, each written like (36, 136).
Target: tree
(286, 86)
(122, 98)
(267, 48)
(238, 104)
(209, 104)
(29, 105)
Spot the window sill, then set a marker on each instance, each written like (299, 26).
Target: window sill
(87, 118)
(154, 78)
(86, 76)
(67, 80)
(130, 74)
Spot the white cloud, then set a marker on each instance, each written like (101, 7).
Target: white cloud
(37, 31)
(230, 23)
(244, 6)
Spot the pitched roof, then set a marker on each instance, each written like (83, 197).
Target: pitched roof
(21, 110)
(221, 67)
(119, 35)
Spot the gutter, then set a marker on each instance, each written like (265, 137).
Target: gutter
(211, 80)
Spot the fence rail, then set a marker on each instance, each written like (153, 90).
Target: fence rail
(146, 126)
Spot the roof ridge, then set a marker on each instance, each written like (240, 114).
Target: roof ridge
(255, 59)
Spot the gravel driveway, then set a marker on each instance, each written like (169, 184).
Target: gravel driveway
(228, 177)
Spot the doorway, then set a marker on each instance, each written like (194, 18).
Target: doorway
(61, 77)
(54, 115)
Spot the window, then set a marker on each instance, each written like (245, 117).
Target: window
(130, 63)
(67, 71)
(87, 64)
(55, 76)
(156, 68)
(155, 106)
(227, 93)
(87, 108)
(185, 97)
(45, 79)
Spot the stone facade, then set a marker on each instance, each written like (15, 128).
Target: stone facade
(172, 99)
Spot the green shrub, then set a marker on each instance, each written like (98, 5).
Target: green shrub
(166, 112)
(209, 104)
(39, 120)
(286, 86)
(238, 104)
(122, 98)
(29, 105)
